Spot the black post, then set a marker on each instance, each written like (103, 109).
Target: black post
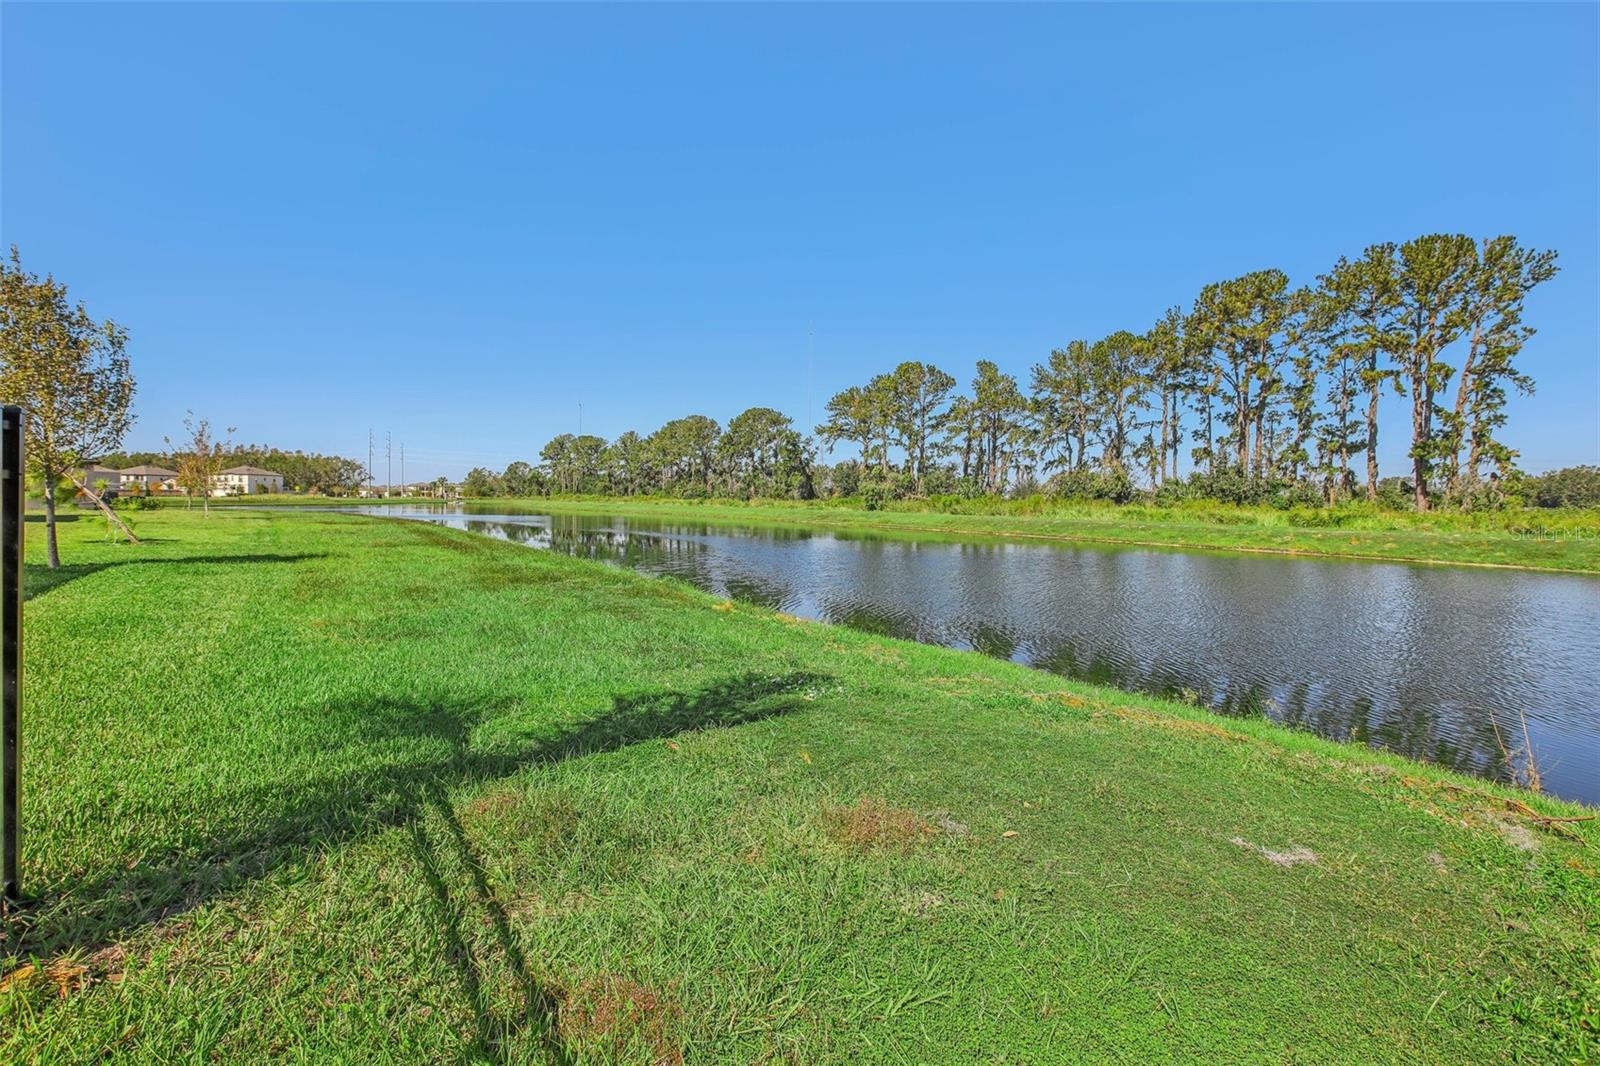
(11, 501)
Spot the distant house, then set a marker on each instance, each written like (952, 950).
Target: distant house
(93, 475)
(246, 481)
(150, 479)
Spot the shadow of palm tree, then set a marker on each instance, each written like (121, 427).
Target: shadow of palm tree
(279, 824)
(38, 579)
(494, 1030)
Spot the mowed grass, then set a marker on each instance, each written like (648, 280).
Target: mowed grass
(1566, 540)
(329, 788)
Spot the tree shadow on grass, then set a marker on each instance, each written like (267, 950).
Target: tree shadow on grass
(539, 1005)
(287, 822)
(38, 579)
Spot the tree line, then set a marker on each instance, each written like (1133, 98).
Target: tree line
(1263, 381)
(1264, 387)
(759, 454)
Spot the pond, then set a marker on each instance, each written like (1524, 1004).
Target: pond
(1422, 660)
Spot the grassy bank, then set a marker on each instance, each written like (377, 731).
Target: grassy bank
(330, 788)
(1559, 540)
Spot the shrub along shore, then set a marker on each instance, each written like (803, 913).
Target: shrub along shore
(316, 786)
(1559, 540)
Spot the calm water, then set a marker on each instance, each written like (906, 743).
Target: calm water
(1412, 658)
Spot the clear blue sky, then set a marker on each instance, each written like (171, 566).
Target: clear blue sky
(459, 222)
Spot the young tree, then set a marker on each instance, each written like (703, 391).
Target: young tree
(70, 374)
(200, 460)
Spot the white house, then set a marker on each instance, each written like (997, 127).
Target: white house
(246, 481)
(150, 478)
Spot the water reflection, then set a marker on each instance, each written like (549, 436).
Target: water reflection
(1414, 659)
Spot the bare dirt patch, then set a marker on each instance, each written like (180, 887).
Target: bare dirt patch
(1292, 857)
(1517, 835)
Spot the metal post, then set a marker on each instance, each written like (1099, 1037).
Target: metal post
(11, 500)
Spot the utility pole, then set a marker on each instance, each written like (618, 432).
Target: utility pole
(402, 466)
(369, 461)
(388, 459)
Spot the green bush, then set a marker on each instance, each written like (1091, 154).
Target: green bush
(846, 478)
(1396, 494)
(1114, 486)
(1574, 486)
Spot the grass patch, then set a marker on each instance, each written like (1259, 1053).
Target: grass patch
(333, 788)
(872, 823)
(1537, 539)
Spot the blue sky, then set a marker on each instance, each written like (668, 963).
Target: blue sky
(459, 222)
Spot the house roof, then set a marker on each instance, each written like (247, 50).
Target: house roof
(147, 470)
(255, 470)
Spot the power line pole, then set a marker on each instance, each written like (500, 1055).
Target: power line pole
(388, 458)
(402, 466)
(369, 461)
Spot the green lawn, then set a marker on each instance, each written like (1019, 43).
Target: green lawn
(327, 788)
(1555, 540)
